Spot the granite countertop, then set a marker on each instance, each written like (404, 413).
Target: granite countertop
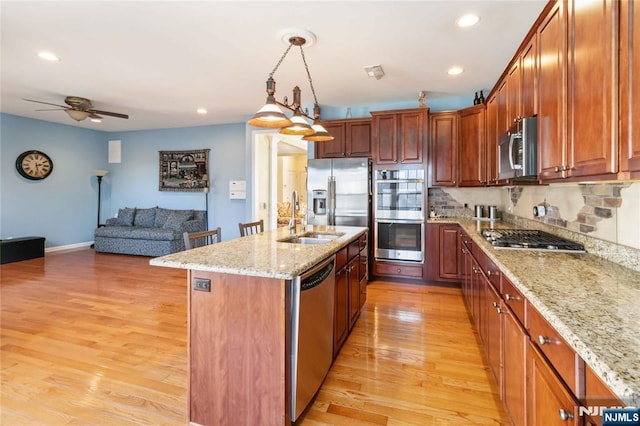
(262, 255)
(594, 304)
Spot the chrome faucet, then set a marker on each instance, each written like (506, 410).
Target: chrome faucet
(295, 206)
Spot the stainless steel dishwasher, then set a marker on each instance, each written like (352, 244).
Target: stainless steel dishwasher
(311, 332)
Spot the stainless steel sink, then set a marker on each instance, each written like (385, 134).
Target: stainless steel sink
(312, 238)
(306, 240)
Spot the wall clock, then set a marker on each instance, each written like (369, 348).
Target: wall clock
(34, 165)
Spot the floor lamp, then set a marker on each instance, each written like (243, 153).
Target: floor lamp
(205, 179)
(99, 174)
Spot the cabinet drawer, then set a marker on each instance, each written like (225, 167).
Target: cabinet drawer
(341, 258)
(513, 299)
(398, 270)
(362, 242)
(563, 359)
(492, 272)
(597, 394)
(353, 248)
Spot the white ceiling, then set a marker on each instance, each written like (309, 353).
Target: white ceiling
(159, 61)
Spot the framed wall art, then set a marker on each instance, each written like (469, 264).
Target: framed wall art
(184, 170)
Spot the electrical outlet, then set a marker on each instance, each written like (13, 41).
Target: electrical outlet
(201, 284)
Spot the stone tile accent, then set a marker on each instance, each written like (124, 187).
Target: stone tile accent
(445, 205)
(600, 202)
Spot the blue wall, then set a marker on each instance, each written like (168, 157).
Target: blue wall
(134, 181)
(63, 207)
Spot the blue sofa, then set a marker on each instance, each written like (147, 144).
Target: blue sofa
(148, 232)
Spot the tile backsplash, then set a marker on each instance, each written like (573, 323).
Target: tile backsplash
(604, 211)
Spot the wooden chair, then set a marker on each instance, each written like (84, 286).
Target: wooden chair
(203, 238)
(251, 228)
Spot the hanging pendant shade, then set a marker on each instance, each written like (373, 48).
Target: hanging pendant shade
(270, 116)
(299, 127)
(320, 135)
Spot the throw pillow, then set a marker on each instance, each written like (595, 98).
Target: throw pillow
(161, 217)
(125, 216)
(177, 218)
(145, 218)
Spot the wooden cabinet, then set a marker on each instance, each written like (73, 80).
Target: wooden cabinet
(341, 311)
(551, 92)
(443, 149)
(443, 252)
(352, 138)
(492, 138)
(630, 89)
(514, 349)
(398, 136)
(528, 78)
(354, 290)
(514, 82)
(493, 330)
(592, 143)
(350, 290)
(471, 154)
(550, 403)
(398, 270)
(577, 90)
(597, 395)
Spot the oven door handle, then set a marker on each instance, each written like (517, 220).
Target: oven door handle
(402, 221)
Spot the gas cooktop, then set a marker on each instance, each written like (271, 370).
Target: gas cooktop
(525, 239)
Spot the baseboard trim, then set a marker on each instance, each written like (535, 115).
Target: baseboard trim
(68, 247)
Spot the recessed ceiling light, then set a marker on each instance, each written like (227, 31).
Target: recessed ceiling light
(48, 56)
(468, 20)
(455, 71)
(201, 111)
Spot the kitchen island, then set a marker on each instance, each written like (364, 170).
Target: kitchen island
(239, 313)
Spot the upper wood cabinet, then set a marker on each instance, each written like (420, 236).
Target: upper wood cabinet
(514, 87)
(630, 89)
(398, 136)
(592, 91)
(443, 149)
(551, 92)
(492, 138)
(577, 124)
(528, 79)
(352, 138)
(471, 153)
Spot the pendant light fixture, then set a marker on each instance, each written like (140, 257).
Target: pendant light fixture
(271, 114)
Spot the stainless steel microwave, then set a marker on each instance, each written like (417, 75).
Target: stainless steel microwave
(518, 150)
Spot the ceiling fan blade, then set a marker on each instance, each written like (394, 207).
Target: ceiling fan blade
(50, 109)
(112, 114)
(95, 116)
(46, 103)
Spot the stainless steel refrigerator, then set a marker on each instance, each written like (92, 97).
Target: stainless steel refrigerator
(339, 192)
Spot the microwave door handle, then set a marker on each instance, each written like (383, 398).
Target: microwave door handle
(511, 162)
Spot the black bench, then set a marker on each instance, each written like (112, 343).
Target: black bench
(17, 249)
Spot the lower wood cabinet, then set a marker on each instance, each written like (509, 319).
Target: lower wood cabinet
(550, 403)
(443, 252)
(350, 289)
(398, 270)
(514, 371)
(597, 395)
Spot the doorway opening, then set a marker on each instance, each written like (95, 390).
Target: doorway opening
(279, 168)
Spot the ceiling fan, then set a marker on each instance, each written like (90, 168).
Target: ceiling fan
(79, 108)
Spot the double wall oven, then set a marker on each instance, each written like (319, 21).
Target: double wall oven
(399, 204)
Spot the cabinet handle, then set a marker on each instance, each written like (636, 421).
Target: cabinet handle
(564, 415)
(544, 340)
(399, 270)
(499, 311)
(565, 168)
(557, 169)
(490, 273)
(510, 297)
(495, 304)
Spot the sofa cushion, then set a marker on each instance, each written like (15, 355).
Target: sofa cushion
(137, 233)
(177, 218)
(126, 216)
(145, 218)
(161, 216)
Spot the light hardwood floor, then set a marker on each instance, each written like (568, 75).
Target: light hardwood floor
(101, 339)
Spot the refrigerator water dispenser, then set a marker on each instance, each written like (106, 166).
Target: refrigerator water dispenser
(319, 201)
